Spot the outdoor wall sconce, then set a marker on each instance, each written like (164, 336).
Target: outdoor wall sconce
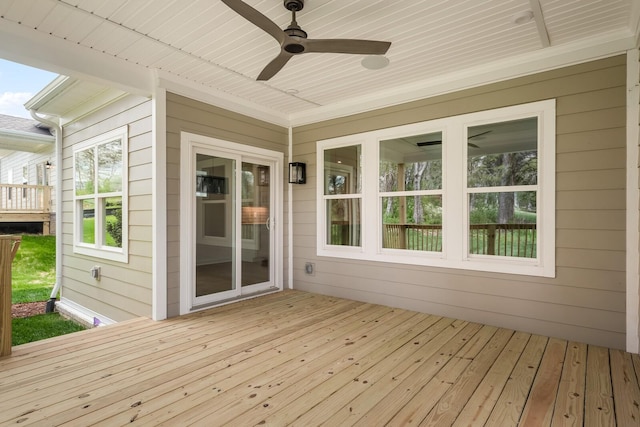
(297, 173)
(48, 165)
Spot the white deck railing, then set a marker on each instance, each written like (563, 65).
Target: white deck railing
(25, 198)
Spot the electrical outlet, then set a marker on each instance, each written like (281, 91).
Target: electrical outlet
(310, 269)
(95, 272)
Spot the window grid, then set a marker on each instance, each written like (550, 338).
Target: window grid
(101, 225)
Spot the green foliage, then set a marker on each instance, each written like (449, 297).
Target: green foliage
(34, 269)
(89, 227)
(42, 326)
(483, 214)
(431, 208)
(522, 217)
(114, 227)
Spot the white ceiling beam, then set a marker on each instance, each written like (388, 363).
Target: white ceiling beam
(538, 16)
(634, 21)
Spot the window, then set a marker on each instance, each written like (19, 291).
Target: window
(410, 175)
(502, 174)
(342, 195)
(43, 172)
(100, 198)
(475, 191)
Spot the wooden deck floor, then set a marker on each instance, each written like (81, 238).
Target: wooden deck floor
(305, 359)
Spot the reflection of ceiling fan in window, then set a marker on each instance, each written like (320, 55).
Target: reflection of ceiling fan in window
(429, 143)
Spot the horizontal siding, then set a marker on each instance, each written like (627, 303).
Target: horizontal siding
(187, 115)
(125, 289)
(586, 299)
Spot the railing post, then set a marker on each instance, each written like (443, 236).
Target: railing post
(491, 239)
(8, 247)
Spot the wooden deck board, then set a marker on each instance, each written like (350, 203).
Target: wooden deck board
(478, 409)
(295, 358)
(599, 393)
(569, 407)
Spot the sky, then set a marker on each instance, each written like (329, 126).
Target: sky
(18, 84)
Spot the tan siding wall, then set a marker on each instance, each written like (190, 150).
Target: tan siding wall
(188, 115)
(586, 300)
(124, 290)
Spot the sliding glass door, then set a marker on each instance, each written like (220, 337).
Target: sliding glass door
(231, 237)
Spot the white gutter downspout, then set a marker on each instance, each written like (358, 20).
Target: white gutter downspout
(58, 163)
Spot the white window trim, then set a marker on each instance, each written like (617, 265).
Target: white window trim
(97, 250)
(454, 202)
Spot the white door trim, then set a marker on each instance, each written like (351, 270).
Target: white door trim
(190, 142)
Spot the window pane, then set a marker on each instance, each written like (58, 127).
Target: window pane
(503, 224)
(411, 163)
(88, 231)
(343, 170)
(503, 154)
(413, 223)
(110, 167)
(343, 222)
(85, 169)
(248, 183)
(113, 222)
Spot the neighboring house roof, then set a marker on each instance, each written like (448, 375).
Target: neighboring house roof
(23, 125)
(19, 134)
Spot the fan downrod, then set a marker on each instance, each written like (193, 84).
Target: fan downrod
(294, 29)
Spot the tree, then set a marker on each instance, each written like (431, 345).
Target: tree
(114, 228)
(418, 171)
(506, 200)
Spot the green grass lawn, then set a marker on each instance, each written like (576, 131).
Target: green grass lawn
(34, 269)
(42, 326)
(88, 231)
(33, 277)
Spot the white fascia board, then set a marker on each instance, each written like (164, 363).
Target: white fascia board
(220, 99)
(31, 47)
(50, 91)
(64, 84)
(526, 64)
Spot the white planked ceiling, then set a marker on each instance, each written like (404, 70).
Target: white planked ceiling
(204, 45)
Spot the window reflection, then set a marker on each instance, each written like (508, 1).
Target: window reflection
(501, 156)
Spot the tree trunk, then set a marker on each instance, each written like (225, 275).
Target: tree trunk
(506, 201)
(418, 211)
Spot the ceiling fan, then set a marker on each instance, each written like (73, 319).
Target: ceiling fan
(293, 39)
(429, 143)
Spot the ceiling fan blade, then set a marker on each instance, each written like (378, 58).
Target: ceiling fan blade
(275, 65)
(479, 134)
(430, 143)
(256, 18)
(359, 47)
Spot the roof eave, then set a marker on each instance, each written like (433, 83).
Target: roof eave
(49, 92)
